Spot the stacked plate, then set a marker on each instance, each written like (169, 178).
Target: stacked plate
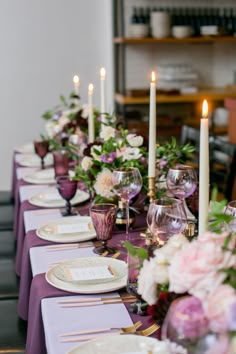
(25, 148)
(88, 275)
(52, 199)
(41, 177)
(32, 160)
(71, 229)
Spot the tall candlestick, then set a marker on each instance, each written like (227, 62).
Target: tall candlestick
(152, 129)
(76, 84)
(90, 118)
(203, 171)
(103, 94)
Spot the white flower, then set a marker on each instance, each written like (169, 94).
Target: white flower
(51, 128)
(85, 112)
(147, 285)
(107, 132)
(131, 154)
(104, 183)
(93, 153)
(134, 140)
(63, 120)
(86, 163)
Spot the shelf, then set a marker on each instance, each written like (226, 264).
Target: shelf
(213, 94)
(150, 40)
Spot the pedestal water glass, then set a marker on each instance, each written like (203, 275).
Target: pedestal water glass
(41, 148)
(165, 218)
(128, 183)
(67, 189)
(181, 182)
(104, 217)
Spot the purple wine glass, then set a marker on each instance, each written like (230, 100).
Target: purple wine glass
(67, 189)
(182, 182)
(165, 218)
(104, 217)
(127, 184)
(41, 148)
(60, 162)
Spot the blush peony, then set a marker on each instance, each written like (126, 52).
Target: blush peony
(104, 183)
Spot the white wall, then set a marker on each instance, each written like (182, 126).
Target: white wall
(43, 43)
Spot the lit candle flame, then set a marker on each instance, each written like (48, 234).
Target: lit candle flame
(90, 89)
(205, 109)
(102, 73)
(153, 76)
(76, 80)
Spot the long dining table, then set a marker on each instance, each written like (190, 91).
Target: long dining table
(38, 299)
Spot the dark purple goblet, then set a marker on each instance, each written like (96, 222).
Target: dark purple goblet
(60, 162)
(41, 148)
(104, 217)
(67, 189)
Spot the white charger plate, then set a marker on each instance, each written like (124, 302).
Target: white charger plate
(41, 200)
(63, 270)
(117, 344)
(33, 160)
(116, 284)
(49, 231)
(46, 176)
(25, 148)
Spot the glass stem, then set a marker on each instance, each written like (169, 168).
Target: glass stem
(68, 207)
(42, 163)
(127, 217)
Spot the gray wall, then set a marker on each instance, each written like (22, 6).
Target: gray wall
(43, 44)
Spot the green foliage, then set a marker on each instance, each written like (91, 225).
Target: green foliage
(138, 252)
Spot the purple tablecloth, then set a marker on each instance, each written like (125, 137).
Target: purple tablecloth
(17, 206)
(21, 234)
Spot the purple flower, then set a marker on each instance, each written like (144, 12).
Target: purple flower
(232, 317)
(108, 159)
(188, 317)
(163, 163)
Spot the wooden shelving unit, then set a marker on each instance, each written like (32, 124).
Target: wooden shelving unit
(213, 94)
(172, 40)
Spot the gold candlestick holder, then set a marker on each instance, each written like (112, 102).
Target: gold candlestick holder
(151, 188)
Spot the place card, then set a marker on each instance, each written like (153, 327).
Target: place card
(73, 228)
(90, 273)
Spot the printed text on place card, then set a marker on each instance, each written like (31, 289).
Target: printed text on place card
(91, 273)
(71, 228)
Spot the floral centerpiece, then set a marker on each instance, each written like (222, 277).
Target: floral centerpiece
(116, 148)
(199, 279)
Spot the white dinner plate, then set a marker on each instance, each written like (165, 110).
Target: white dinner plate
(33, 160)
(46, 176)
(53, 199)
(25, 148)
(117, 344)
(83, 270)
(93, 288)
(51, 230)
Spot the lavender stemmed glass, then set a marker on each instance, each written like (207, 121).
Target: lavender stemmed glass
(67, 189)
(181, 182)
(41, 148)
(104, 217)
(165, 218)
(127, 184)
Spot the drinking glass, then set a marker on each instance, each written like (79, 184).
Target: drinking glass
(103, 217)
(128, 183)
(181, 182)
(134, 265)
(67, 189)
(165, 218)
(60, 162)
(231, 210)
(41, 148)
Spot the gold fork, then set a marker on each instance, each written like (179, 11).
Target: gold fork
(91, 334)
(148, 331)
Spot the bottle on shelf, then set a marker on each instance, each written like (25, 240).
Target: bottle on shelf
(134, 18)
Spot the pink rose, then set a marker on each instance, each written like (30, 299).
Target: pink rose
(218, 238)
(217, 307)
(195, 268)
(186, 319)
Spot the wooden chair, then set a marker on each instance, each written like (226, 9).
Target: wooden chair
(191, 135)
(223, 167)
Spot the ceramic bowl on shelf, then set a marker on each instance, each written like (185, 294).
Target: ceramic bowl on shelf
(138, 30)
(181, 31)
